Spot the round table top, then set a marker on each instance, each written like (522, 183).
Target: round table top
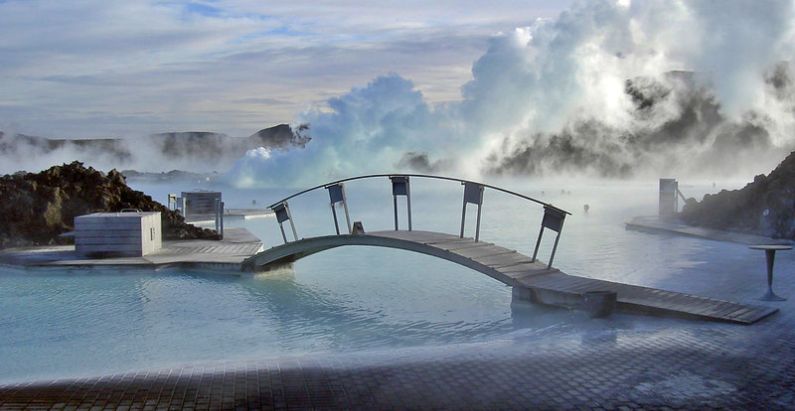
(770, 247)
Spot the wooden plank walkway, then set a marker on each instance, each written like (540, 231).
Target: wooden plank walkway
(228, 254)
(549, 285)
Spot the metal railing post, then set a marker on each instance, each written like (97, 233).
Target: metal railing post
(538, 243)
(222, 219)
(463, 217)
(473, 193)
(347, 216)
(334, 214)
(401, 187)
(553, 219)
(336, 194)
(477, 224)
(394, 207)
(282, 211)
(554, 249)
(292, 225)
(408, 201)
(217, 206)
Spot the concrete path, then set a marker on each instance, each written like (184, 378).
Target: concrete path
(657, 225)
(602, 368)
(228, 254)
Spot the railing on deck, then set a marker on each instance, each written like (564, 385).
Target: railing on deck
(473, 194)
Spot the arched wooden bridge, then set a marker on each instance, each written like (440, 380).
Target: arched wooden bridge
(530, 278)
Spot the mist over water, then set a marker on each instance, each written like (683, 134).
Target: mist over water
(355, 299)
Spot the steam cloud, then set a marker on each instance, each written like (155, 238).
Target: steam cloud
(194, 151)
(611, 88)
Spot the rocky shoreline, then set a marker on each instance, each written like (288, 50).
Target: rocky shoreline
(36, 208)
(765, 206)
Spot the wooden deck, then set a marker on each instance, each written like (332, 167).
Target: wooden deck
(545, 285)
(228, 254)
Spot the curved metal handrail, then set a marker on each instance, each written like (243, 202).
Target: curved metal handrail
(473, 194)
(537, 201)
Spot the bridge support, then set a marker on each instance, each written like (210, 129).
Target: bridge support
(336, 193)
(282, 212)
(578, 301)
(400, 187)
(553, 220)
(521, 294)
(473, 193)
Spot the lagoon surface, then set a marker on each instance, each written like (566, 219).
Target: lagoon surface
(57, 323)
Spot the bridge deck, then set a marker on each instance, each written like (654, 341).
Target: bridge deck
(518, 270)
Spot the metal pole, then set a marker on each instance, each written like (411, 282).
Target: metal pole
(770, 256)
(347, 217)
(477, 224)
(334, 213)
(538, 243)
(222, 220)
(394, 203)
(408, 201)
(284, 236)
(554, 248)
(295, 234)
(290, 217)
(217, 218)
(463, 217)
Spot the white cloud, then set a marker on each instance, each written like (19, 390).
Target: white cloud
(90, 68)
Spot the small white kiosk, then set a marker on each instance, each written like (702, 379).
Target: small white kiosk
(129, 234)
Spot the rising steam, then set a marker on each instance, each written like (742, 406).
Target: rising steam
(608, 88)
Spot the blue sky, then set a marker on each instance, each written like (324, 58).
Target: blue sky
(90, 68)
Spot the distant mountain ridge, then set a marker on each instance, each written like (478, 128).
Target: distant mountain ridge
(200, 145)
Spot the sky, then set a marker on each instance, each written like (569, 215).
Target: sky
(605, 88)
(80, 69)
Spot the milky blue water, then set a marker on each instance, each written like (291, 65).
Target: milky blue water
(64, 323)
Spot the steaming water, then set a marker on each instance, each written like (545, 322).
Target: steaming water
(62, 323)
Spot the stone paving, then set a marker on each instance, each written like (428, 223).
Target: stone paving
(700, 367)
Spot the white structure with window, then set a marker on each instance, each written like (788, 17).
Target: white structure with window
(131, 234)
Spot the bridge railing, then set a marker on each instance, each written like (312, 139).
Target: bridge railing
(553, 218)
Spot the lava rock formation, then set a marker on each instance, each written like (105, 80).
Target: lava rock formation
(35, 208)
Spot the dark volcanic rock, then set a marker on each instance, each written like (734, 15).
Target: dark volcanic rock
(36, 207)
(766, 206)
(195, 144)
(281, 136)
